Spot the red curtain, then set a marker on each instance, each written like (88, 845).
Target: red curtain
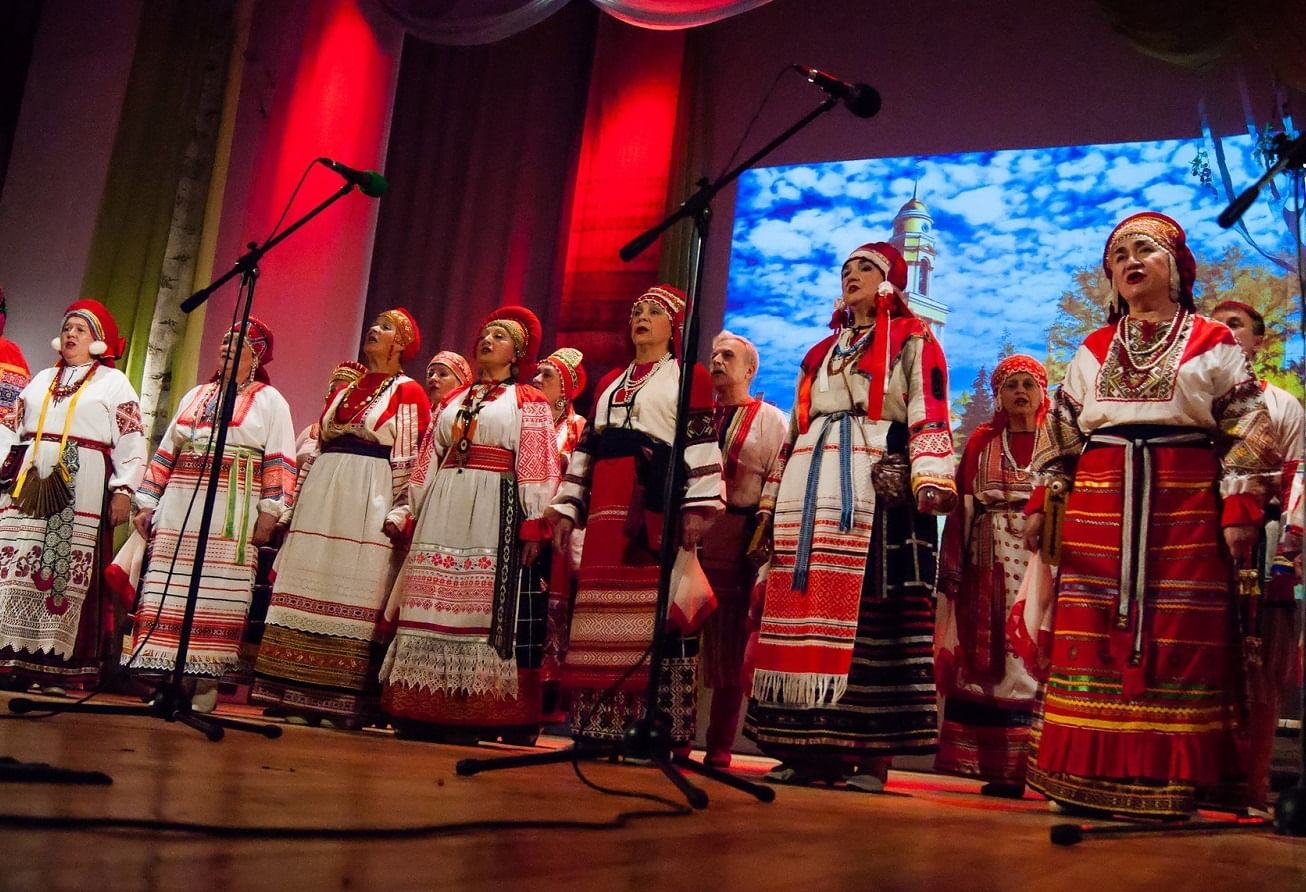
(622, 182)
(482, 154)
(319, 83)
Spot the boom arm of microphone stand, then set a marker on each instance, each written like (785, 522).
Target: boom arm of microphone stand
(699, 201)
(1293, 153)
(250, 259)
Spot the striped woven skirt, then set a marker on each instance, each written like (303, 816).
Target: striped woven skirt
(1140, 705)
(889, 706)
(605, 672)
(226, 581)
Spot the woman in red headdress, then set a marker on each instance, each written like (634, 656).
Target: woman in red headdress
(465, 661)
(1159, 430)
(843, 676)
(74, 454)
(256, 475)
(613, 489)
(324, 634)
(988, 691)
(561, 378)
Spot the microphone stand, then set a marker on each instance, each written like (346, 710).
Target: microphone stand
(173, 702)
(1290, 809)
(647, 737)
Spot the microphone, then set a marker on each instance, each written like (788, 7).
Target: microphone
(369, 182)
(861, 99)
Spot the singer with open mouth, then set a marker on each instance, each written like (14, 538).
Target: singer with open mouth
(324, 636)
(1160, 431)
(469, 603)
(74, 453)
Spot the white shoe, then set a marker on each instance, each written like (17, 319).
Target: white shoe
(205, 697)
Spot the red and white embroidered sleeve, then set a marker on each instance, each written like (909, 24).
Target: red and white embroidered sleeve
(929, 423)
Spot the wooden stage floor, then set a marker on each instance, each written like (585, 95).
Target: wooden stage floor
(926, 833)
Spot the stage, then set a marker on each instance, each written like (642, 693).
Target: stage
(927, 832)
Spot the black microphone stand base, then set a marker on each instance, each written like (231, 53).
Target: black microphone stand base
(170, 704)
(643, 740)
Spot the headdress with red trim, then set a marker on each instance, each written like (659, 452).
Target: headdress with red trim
(1015, 364)
(674, 302)
(566, 361)
(259, 338)
(1169, 236)
(523, 327)
(407, 337)
(454, 362)
(889, 262)
(107, 345)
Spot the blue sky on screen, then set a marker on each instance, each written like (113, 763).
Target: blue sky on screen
(1011, 228)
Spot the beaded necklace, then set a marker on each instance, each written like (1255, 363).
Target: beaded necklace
(464, 423)
(859, 338)
(1144, 358)
(367, 403)
(636, 376)
(1021, 474)
(60, 392)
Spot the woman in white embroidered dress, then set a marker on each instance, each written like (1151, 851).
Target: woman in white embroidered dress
(75, 453)
(323, 636)
(465, 662)
(1160, 435)
(256, 473)
(843, 675)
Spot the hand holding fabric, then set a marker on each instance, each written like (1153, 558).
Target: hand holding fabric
(141, 522)
(693, 524)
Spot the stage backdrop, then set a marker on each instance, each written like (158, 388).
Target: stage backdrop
(1004, 248)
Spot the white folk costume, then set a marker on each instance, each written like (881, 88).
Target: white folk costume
(843, 669)
(988, 692)
(323, 635)
(613, 488)
(56, 617)
(256, 476)
(750, 437)
(469, 641)
(1162, 432)
(563, 564)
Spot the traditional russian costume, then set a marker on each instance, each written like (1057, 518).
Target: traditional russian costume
(1162, 431)
(75, 429)
(844, 669)
(988, 692)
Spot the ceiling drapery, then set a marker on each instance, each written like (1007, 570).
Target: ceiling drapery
(473, 22)
(1197, 35)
